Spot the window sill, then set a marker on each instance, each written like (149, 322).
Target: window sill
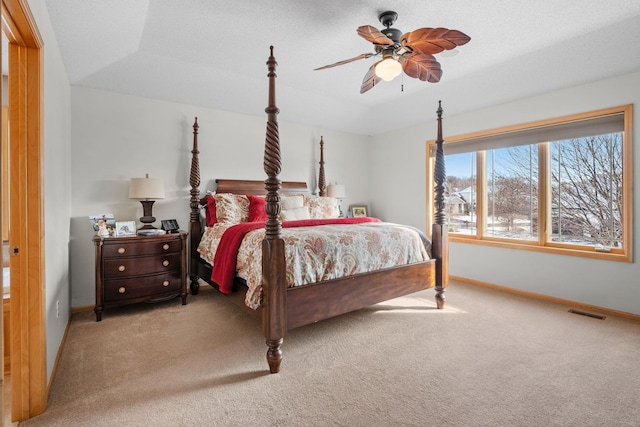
(615, 254)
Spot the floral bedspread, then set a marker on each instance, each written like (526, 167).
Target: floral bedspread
(320, 253)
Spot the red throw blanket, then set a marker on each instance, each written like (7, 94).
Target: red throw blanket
(224, 261)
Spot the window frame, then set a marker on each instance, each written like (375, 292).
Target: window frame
(544, 242)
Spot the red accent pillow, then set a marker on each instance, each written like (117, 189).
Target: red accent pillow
(210, 211)
(256, 209)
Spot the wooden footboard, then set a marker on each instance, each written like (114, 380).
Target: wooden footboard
(312, 303)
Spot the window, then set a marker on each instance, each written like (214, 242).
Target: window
(561, 185)
(512, 192)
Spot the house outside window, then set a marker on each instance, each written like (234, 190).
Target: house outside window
(561, 185)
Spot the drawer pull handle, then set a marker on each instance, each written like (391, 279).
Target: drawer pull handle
(121, 250)
(165, 283)
(165, 246)
(165, 262)
(122, 268)
(122, 290)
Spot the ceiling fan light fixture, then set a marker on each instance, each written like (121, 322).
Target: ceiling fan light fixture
(388, 69)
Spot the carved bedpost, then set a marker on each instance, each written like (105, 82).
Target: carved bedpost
(439, 229)
(274, 291)
(322, 183)
(195, 226)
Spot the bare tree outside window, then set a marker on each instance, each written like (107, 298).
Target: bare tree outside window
(586, 182)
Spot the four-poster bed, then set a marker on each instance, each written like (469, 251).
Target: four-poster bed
(284, 307)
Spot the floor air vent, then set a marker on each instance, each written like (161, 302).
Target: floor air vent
(584, 313)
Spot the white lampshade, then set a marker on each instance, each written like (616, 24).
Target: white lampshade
(336, 190)
(146, 188)
(388, 69)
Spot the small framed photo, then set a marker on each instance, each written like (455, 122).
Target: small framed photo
(358, 211)
(103, 220)
(125, 228)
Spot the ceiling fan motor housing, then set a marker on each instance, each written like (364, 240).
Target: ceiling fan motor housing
(393, 34)
(387, 19)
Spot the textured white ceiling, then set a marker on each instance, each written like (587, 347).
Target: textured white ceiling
(212, 53)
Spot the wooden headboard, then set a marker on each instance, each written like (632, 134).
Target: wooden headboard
(241, 186)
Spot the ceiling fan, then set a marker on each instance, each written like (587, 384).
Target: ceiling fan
(411, 52)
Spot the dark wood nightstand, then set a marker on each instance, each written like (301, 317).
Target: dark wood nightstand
(140, 269)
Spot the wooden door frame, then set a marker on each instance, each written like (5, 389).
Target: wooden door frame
(28, 322)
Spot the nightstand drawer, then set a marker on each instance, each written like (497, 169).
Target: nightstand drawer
(145, 286)
(127, 267)
(133, 248)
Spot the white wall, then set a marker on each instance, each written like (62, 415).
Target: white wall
(56, 184)
(398, 195)
(116, 137)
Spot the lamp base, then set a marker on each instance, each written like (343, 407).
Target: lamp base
(147, 219)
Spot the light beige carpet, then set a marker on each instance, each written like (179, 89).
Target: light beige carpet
(487, 359)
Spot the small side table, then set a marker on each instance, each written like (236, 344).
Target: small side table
(140, 269)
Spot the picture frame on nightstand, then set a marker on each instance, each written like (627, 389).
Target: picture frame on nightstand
(358, 211)
(125, 228)
(107, 218)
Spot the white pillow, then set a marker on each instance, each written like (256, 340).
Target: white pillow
(294, 214)
(291, 201)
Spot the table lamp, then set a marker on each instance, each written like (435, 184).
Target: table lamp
(147, 190)
(339, 192)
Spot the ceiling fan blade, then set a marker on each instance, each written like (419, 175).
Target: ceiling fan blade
(370, 79)
(346, 61)
(421, 66)
(374, 35)
(433, 40)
